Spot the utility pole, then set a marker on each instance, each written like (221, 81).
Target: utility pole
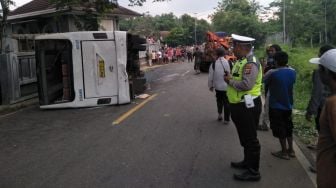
(195, 28)
(284, 21)
(325, 22)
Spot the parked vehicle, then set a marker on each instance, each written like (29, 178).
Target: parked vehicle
(86, 69)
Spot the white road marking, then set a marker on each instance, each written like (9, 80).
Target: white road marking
(185, 73)
(167, 77)
(172, 75)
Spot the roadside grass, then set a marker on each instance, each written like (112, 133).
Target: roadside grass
(299, 60)
(304, 130)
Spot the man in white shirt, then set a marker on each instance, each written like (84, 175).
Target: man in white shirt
(216, 82)
(159, 55)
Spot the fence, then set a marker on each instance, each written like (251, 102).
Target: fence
(18, 70)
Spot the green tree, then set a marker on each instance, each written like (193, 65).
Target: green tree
(126, 24)
(3, 18)
(320, 10)
(165, 22)
(244, 6)
(240, 17)
(177, 37)
(330, 19)
(143, 26)
(148, 25)
(202, 27)
(188, 23)
(305, 20)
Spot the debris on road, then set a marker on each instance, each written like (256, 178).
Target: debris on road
(142, 96)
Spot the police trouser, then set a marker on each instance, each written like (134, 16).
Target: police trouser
(246, 121)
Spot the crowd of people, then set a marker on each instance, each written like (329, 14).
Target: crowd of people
(170, 55)
(238, 95)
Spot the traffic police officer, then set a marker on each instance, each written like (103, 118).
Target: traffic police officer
(245, 103)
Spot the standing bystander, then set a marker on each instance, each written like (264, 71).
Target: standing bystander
(189, 54)
(270, 64)
(170, 53)
(326, 147)
(319, 94)
(150, 59)
(280, 82)
(153, 56)
(159, 56)
(216, 81)
(197, 59)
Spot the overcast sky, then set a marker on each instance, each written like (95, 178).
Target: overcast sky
(178, 7)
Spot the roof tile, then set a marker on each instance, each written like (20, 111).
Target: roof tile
(39, 5)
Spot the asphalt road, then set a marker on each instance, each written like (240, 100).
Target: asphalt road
(172, 141)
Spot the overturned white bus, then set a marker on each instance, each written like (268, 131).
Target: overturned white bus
(82, 69)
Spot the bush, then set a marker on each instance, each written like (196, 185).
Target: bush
(299, 60)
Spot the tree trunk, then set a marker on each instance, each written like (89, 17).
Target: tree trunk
(5, 10)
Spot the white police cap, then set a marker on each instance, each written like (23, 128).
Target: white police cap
(242, 39)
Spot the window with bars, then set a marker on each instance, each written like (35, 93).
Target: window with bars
(27, 69)
(26, 45)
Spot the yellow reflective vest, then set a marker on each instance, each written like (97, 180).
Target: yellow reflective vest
(236, 96)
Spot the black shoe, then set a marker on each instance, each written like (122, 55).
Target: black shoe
(239, 165)
(248, 175)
